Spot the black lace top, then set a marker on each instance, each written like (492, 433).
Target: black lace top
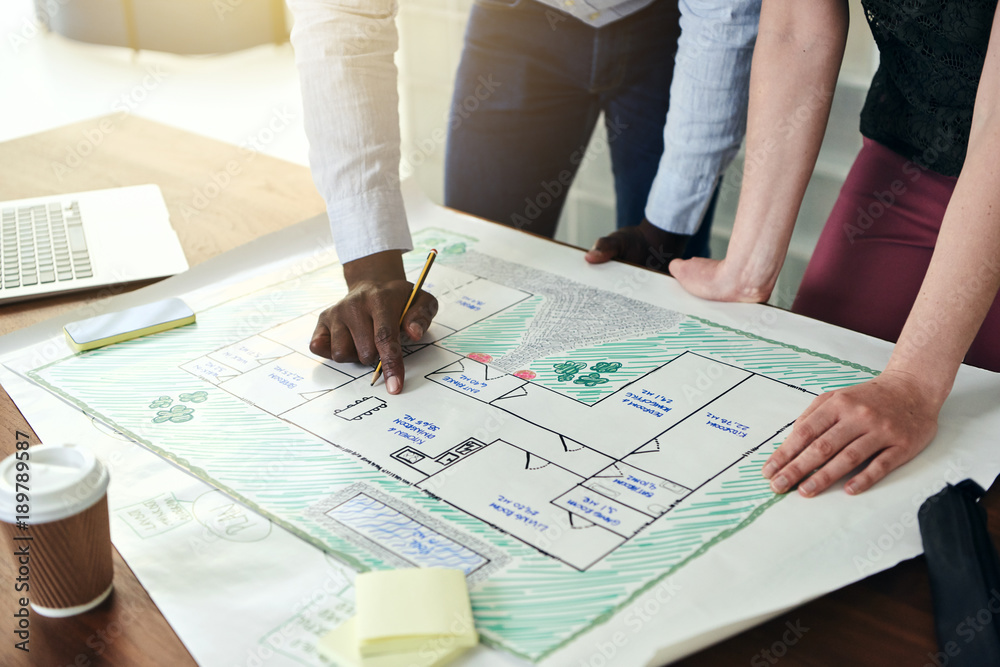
(931, 56)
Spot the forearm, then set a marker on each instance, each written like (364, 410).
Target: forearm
(344, 51)
(963, 277)
(798, 54)
(964, 273)
(708, 103)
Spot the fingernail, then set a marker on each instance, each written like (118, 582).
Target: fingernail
(769, 469)
(393, 384)
(416, 331)
(808, 487)
(851, 488)
(779, 485)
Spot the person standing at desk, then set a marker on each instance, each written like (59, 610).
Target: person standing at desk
(911, 251)
(560, 68)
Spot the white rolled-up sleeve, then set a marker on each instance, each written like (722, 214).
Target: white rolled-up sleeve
(708, 104)
(344, 50)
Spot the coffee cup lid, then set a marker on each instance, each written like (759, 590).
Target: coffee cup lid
(60, 481)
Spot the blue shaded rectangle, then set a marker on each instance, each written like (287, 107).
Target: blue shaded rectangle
(408, 539)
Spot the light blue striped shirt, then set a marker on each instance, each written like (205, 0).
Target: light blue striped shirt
(345, 49)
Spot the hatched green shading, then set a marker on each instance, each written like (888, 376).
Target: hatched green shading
(536, 604)
(794, 365)
(434, 238)
(788, 363)
(495, 335)
(631, 359)
(558, 597)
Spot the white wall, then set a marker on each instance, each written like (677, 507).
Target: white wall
(431, 34)
(53, 81)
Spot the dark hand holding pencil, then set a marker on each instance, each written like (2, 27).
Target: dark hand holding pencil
(413, 295)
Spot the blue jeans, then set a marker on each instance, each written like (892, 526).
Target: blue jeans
(529, 90)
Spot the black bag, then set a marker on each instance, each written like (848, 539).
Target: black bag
(965, 576)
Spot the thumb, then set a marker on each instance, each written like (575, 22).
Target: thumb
(606, 248)
(680, 269)
(694, 275)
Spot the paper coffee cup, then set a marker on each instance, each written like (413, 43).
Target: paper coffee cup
(54, 513)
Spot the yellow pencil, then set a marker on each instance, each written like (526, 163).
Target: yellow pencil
(413, 295)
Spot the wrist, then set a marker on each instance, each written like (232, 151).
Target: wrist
(755, 279)
(382, 267)
(753, 267)
(663, 246)
(933, 381)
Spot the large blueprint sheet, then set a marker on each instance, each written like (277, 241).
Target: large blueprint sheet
(572, 446)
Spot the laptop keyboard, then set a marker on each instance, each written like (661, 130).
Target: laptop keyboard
(42, 243)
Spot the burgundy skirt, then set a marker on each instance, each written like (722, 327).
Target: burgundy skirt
(873, 253)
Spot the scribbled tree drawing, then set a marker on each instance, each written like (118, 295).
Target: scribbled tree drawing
(195, 397)
(590, 380)
(567, 369)
(177, 414)
(161, 402)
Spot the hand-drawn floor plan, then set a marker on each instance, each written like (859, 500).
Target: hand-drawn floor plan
(567, 447)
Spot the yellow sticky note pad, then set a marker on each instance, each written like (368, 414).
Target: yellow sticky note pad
(124, 325)
(340, 646)
(410, 610)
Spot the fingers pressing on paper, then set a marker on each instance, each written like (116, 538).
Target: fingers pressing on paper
(642, 245)
(364, 327)
(332, 340)
(418, 318)
(886, 421)
(612, 246)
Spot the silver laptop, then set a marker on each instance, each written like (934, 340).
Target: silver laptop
(88, 239)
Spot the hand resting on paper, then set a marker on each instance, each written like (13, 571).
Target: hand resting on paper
(644, 244)
(886, 421)
(724, 280)
(364, 326)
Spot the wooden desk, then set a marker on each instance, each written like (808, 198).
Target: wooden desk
(265, 195)
(885, 619)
